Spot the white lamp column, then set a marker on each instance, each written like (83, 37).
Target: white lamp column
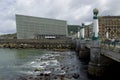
(78, 33)
(107, 33)
(82, 31)
(95, 25)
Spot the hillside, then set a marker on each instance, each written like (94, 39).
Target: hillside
(72, 29)
(8, 36)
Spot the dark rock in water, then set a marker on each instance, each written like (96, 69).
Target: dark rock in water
(41, 74)
(55, 77)
(30, 77)
(22, 78)
(76, 75)
(47, 74)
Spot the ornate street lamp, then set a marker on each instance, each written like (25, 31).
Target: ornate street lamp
(82, 31)
(107, 33)
(95, 25)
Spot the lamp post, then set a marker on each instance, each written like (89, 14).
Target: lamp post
(95, 25)
(82, 32)
(107, 33)
(78, 34)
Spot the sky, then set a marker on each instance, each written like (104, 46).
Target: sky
(74, 12)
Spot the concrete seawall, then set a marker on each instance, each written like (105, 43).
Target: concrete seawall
(40, 44)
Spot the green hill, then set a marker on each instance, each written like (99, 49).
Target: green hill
(72, 29)
(9, 36)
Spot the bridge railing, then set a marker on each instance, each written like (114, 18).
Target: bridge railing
(112, 46)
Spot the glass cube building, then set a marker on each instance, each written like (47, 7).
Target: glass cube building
(29, 27)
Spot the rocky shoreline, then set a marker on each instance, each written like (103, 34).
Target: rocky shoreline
(53, 67)
(35, 46)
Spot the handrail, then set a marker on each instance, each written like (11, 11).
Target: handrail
(111, 46)
(111, 43)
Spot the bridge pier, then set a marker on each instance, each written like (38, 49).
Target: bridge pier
(98, 63)
(84, 52)
(94, 64)
(99, 69)
(77, 45)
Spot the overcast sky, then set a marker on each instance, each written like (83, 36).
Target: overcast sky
(74, 11)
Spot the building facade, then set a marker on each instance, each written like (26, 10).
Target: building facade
(112, 23)
(106, 22)
(87, 31)
(29, 27)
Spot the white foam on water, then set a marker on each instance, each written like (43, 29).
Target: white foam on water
(47, 72)
(27, 72)
(32, 62)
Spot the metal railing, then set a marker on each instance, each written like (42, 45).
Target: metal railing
(111, 46)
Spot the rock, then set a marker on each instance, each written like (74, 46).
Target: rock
(22, 78)
(76, 75)
(37, 69)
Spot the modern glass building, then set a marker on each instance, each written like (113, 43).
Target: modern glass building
(29, 27)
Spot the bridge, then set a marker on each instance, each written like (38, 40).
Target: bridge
(108, 49)
(100, 53)
(111, 50)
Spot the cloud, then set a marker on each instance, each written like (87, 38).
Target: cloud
(10, 27)
(74, 11)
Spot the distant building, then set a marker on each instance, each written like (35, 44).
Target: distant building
(87, 31)
(106, 22)
(29, 27)
(112, 23)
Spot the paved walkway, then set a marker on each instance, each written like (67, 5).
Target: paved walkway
(113, 55)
